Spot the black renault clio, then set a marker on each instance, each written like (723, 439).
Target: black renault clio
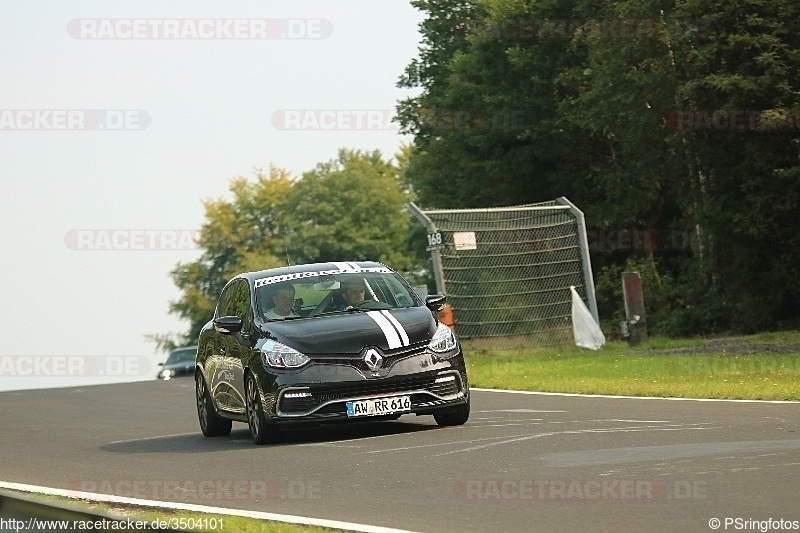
(322, 343)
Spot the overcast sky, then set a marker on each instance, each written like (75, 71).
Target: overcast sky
(118, 118)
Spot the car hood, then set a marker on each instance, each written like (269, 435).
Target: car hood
(350, 332)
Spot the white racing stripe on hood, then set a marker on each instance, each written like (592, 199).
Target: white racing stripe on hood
(389, 331)
(397, 326)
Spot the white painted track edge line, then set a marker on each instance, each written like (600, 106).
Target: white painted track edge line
(577, 395)
(291, 519)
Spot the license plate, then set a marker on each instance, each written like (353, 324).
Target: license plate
(379, 406)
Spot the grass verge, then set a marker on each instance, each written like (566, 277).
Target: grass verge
(757, 367)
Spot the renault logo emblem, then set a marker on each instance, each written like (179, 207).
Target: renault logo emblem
(373, 359)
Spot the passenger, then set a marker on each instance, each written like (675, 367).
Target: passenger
(283, 300)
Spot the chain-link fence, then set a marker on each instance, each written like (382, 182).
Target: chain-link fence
(507, 271)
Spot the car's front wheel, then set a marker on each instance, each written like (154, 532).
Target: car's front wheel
(453, 417)
(261, 430)
(211, 424)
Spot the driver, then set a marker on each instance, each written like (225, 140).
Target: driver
(352, 291)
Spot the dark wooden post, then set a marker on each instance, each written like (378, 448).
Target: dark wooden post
(634, 307)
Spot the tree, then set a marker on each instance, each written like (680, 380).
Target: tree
(349, 208)
(238, 235)
(488, 109)
(745, 59)
(618, 97)
(605, 124)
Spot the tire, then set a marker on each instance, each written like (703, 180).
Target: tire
(211, 424)
(453, 417)
(261, 430)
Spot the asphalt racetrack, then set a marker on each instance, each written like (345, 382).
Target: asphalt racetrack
(524, 462)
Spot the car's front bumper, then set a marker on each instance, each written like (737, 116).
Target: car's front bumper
(428, 392)
(322, 391)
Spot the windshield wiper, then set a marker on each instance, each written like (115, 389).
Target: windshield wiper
(340, 311)
(284, 318)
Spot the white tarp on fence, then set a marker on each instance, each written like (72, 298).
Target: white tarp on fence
(587, 333)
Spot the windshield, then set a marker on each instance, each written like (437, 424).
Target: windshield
(310, 294)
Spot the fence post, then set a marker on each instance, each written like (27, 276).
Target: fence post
(634, 307)
(588, 277)
(436, 256)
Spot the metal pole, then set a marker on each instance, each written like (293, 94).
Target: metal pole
(587, 262)
(436, 256)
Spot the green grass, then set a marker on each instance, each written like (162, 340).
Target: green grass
(758, 367)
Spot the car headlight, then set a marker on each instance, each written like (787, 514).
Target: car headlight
(167, 373)
(277, 355)
(443, 340)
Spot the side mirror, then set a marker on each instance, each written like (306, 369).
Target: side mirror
(228, 324)
(435, 302)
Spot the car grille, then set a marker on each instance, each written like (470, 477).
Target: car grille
(390, 357)
(426, 388)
